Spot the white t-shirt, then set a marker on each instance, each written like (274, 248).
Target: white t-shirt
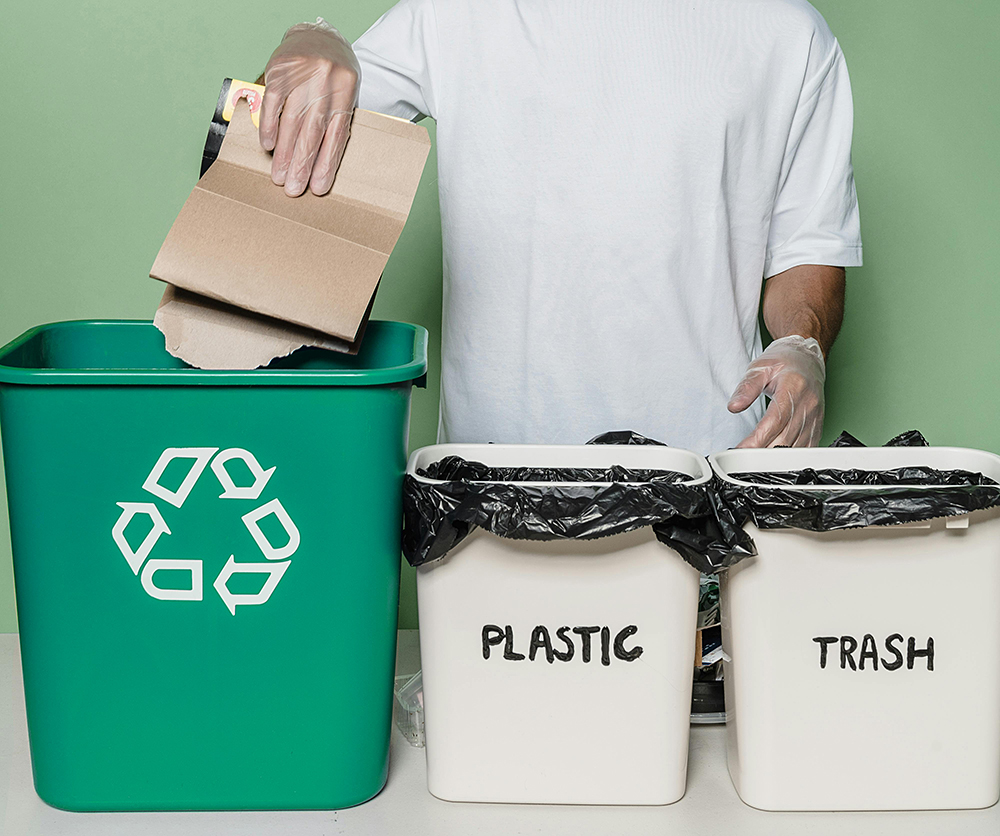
(617, 178)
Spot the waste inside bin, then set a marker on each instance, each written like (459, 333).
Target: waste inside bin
(862, 644)
(555, 670)
(206, 567)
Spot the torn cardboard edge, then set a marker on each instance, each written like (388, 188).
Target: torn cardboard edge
(253, 274)
(231, 338)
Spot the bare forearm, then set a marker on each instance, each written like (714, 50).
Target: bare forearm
(806, 300)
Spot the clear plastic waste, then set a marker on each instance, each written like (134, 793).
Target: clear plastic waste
(408, 708)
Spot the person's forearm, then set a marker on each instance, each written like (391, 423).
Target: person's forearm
(806, 300)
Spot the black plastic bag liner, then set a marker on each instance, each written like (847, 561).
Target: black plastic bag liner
(911, 438)
(867, 478)
(455, 467)
(907, 494)
(576, 503)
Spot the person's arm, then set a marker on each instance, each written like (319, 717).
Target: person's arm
(814, 222)
(807, 300)
(803, 309)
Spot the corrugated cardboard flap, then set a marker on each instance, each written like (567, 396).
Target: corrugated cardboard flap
(311, 261)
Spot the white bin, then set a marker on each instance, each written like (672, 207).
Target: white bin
(892, 734)
(611, 730)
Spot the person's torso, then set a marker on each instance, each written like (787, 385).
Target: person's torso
(607, 172)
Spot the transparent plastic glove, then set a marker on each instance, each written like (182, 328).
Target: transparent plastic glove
(312, 89)
(791, 372)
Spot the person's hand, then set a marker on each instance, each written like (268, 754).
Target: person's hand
(312, 83)
(791, 372)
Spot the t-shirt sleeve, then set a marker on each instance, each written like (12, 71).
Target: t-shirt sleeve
(815, 218)
(396, 56)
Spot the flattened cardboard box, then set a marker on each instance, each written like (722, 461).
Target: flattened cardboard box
(305, 268)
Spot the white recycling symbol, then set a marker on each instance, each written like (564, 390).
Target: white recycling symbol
(277, 557)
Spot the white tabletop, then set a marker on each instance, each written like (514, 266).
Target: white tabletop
(710, 807)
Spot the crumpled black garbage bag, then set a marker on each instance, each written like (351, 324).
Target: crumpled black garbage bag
(624, 438)
(867, 478)
(455, 467)
(437, 517)
(905, 496)
(911, 438)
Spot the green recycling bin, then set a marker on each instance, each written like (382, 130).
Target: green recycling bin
(206, 567)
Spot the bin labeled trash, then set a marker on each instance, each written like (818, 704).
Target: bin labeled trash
(554, 670)
(863, 656)
(206, 567)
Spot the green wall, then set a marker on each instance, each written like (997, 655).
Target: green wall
(105, 111)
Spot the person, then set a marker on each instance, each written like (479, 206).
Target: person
(621, 183)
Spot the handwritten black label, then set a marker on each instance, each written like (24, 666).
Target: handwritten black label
(593, 641)
(866, 655)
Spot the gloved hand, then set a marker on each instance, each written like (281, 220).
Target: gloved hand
(791, 372)
(312, 87)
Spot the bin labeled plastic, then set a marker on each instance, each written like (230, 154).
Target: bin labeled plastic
(558, 671)
(206, 567)
(863, 668)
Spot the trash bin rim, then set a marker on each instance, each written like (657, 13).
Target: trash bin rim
(440, 451)
(721, 470)
(407, 372)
